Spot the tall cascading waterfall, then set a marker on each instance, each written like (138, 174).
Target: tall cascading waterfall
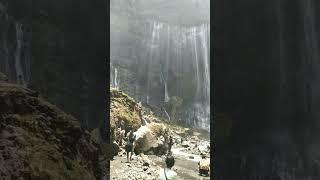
(18, 67)
(200, 109)
(162, 58)
(16, 61)
(114, 80)
(173, 61)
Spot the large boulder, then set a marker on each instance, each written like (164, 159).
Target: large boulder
(150, 139)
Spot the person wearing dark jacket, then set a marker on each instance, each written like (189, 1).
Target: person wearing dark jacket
(130, 143)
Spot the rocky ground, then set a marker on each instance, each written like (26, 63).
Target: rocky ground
(151, 144)
(187, 155)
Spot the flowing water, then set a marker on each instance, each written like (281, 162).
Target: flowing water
(17, 60)
(174, 60)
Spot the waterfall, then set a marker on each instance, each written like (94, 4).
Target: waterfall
(22, 59)
(114, 79)
(190, 48)
(195, 57)
(164, 81)
(167, 114)
(206, 60)
(166, 95)
(172, 60)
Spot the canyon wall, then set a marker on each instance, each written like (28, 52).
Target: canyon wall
(59, 49)
(266, 79)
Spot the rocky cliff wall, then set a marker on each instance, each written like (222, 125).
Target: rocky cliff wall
(266, 81)
(59, 49)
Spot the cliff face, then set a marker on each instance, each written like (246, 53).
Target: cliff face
(266, 77)
(39, 141)
(157, 56)
(57, 48)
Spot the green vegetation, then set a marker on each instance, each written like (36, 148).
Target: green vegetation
(42, 142)
(123, 112)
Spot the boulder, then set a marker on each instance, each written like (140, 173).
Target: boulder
(150, 139)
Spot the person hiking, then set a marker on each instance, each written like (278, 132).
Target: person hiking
(138, 108)
(166, 173)
(122, 136)
(204, 166)
(130, 143)
(119, 135)
(170, 144)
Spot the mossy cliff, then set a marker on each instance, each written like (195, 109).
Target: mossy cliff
(39, 141)
(123, 112)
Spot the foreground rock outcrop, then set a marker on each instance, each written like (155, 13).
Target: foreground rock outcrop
(39, 141)
(151, 139)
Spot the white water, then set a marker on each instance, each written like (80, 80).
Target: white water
(18, 67)
(167, 115)
(179, 152)
(15, 54)
(114, 79)
(176, 48)
(172, 59)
